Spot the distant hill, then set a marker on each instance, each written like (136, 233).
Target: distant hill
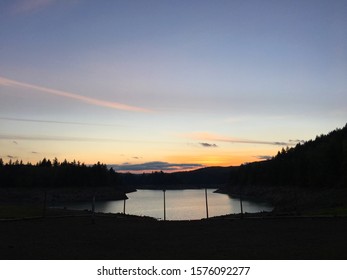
(209, 176)
(314, 168)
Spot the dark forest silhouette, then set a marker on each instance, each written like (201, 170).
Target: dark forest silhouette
(319, 163)
(54, 182)
(55, 174)
(310, 175)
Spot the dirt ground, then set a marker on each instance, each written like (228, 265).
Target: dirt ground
(123, 238)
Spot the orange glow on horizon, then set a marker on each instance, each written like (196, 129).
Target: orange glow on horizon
(213, 160)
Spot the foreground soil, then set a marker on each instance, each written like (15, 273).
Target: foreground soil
(111, 237)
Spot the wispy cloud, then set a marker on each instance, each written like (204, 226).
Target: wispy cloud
(81, 98)
(52, 121)
(263, 157)
(155, 166)
(16, 137)
(56, 138)
(208, 145)
(11, 157)
(296, 141)
(206, 136)
(30, 6)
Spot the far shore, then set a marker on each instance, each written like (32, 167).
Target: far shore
(58, 195)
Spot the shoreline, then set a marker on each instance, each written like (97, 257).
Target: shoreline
(59, 195)
(111, 237)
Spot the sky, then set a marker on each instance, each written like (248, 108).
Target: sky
(169, 85)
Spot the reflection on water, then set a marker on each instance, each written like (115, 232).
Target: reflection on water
(180, 204)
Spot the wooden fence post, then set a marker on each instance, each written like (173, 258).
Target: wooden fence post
(124, 206)
(44, 204)
(93, 209)
(206, 203)
(241, 206)
(164, 205)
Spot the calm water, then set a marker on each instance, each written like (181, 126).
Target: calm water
(180, 204)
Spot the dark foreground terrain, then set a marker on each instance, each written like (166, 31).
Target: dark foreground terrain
(112, 237)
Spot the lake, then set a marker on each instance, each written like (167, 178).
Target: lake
(187, 204)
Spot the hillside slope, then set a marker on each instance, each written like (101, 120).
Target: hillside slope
(304, 175)
(203, 177)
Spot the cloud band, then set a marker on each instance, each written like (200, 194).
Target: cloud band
(155, 165)
(81, 98)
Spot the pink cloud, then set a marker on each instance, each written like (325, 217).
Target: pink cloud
(206, 136)
(84, 99)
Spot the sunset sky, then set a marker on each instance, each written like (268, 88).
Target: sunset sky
(169, 85)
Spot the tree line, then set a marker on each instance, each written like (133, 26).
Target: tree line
(47, 173)
(315, 164)
(55, 174)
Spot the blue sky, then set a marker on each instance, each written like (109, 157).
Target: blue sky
(182, 83)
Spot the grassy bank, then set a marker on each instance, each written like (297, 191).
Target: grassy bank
(58, 195)
(116, 237)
